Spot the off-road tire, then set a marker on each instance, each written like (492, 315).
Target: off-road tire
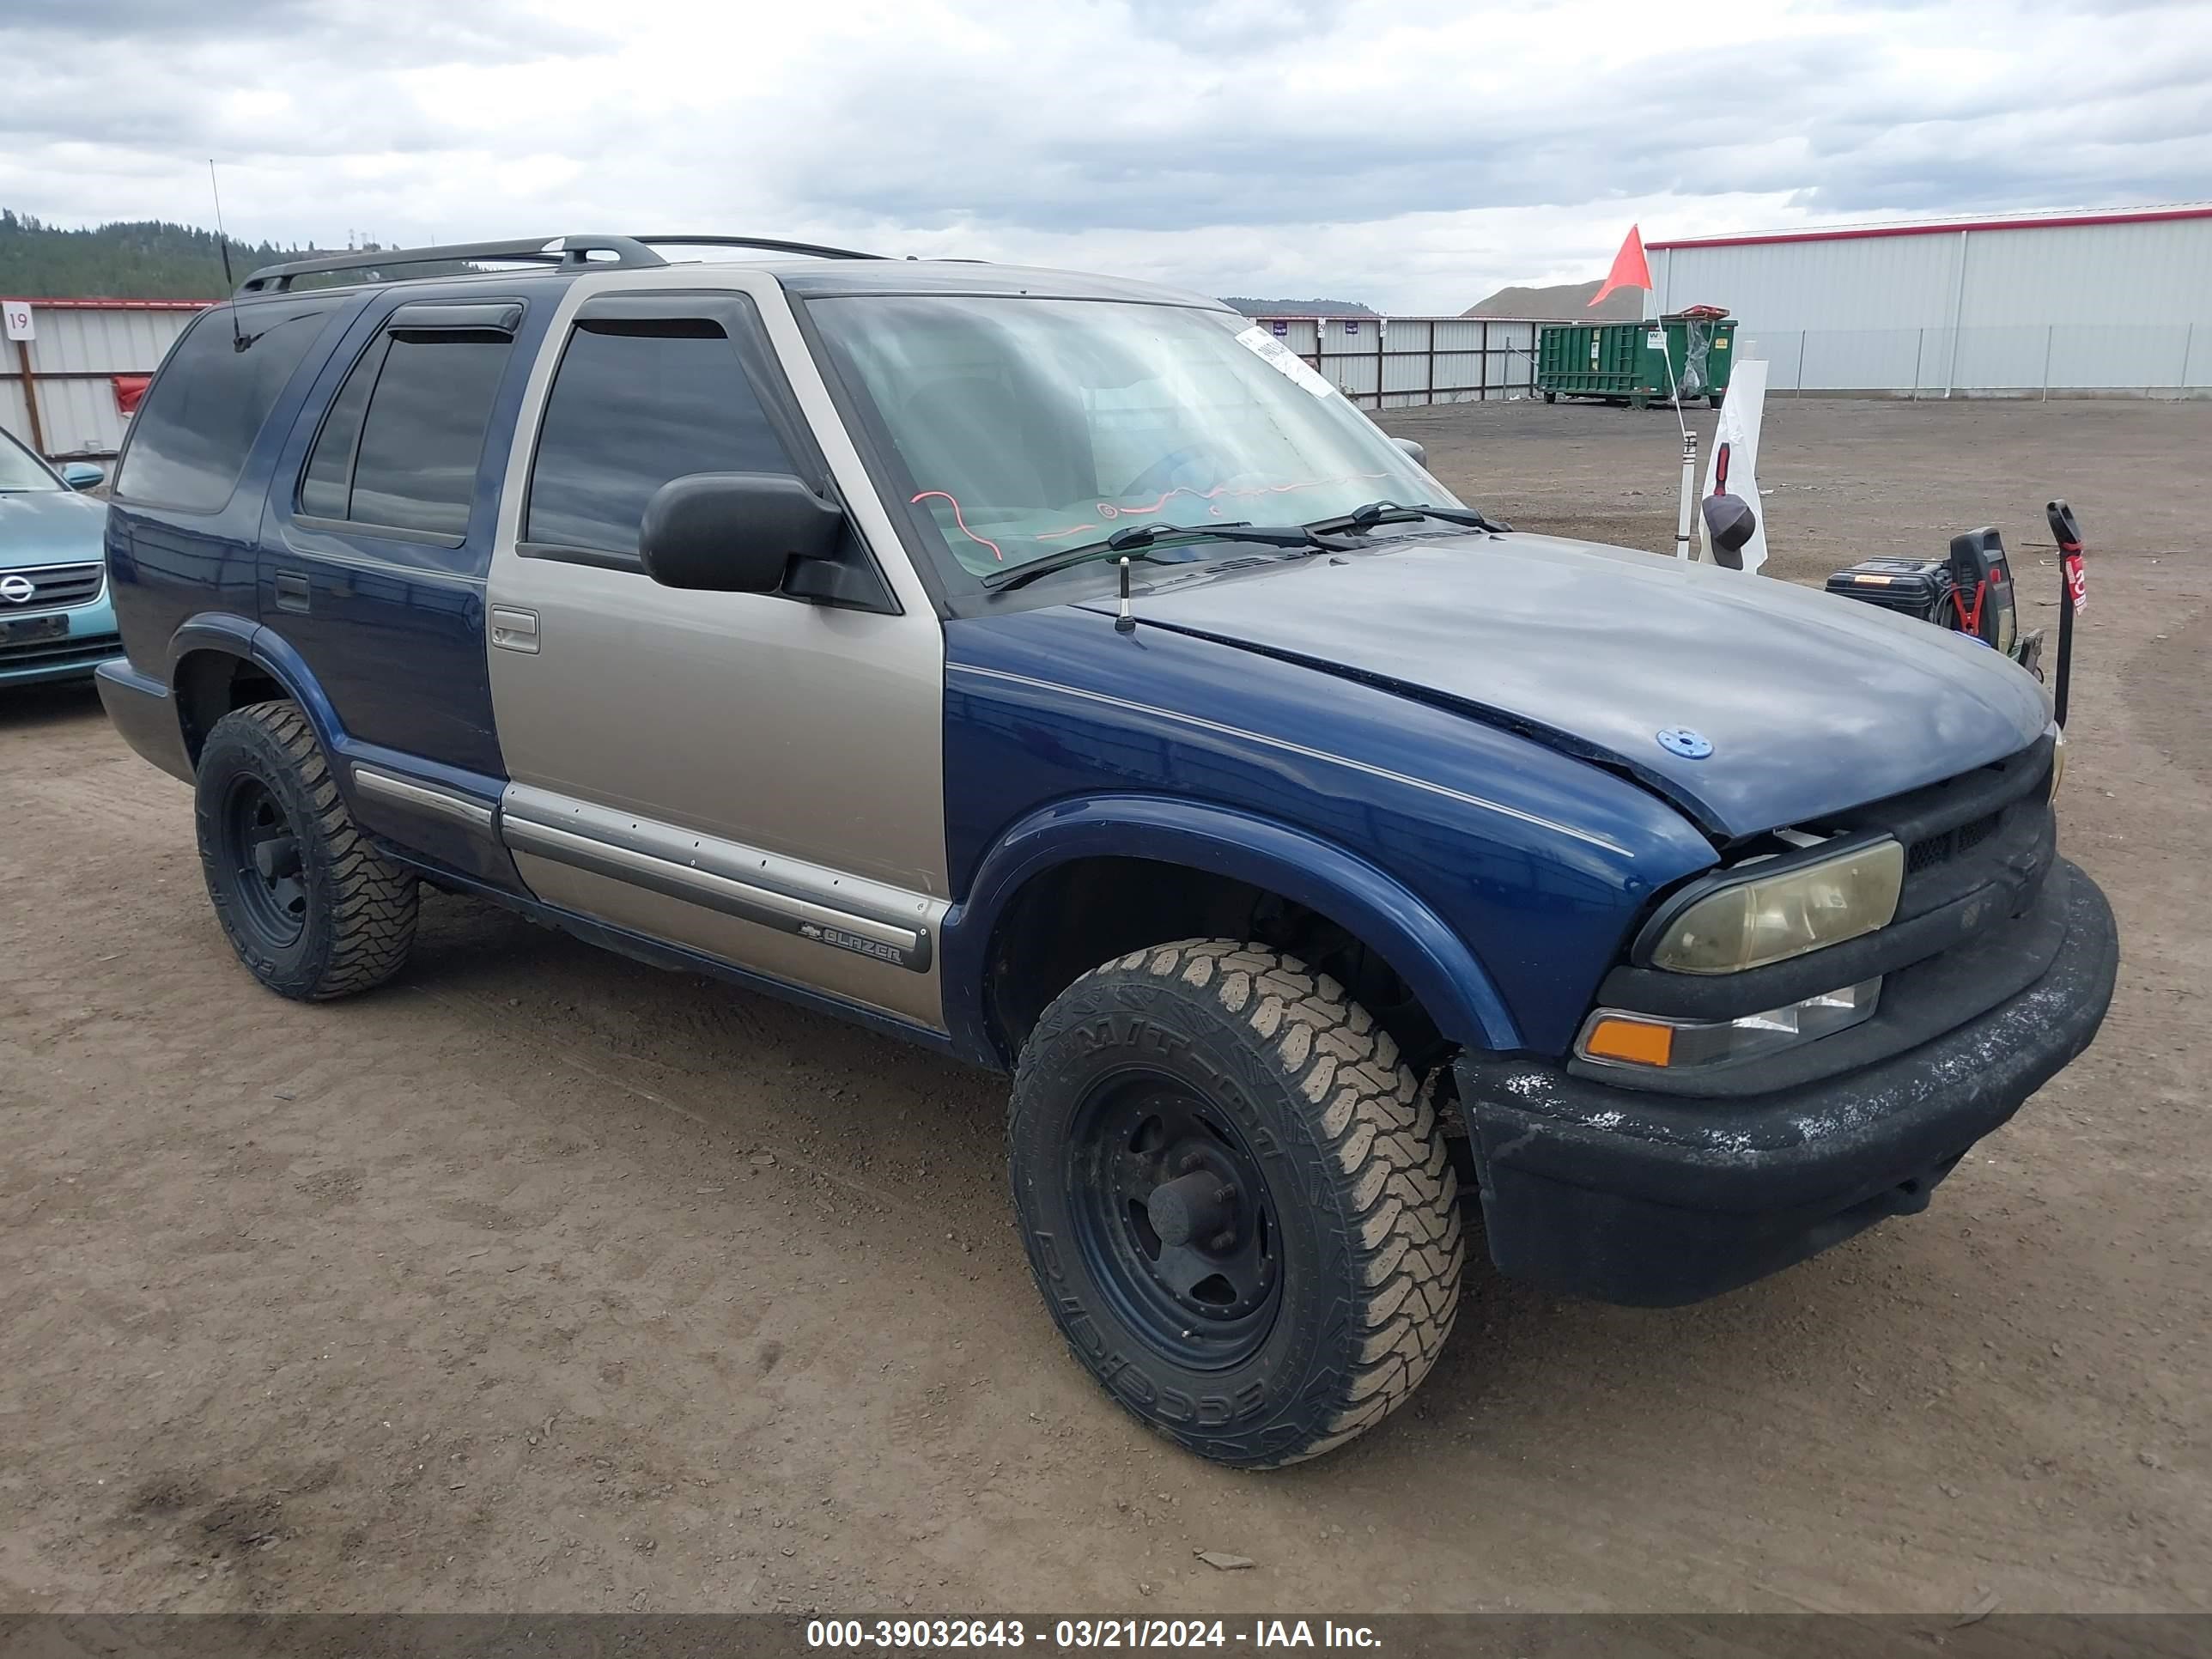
(1368, 1205)
(358, 916)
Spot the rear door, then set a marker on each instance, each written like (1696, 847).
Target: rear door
(379, 525)
(756, 776)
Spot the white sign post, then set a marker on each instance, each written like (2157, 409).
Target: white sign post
(20, 325)
(1734, 467)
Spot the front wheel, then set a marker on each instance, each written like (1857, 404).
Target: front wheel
(1235, 1199)
(312, 909)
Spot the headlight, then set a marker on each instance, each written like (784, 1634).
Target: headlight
(1618, 1037)
(1760, 919)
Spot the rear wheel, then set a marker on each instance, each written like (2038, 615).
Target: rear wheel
(312, 909)
(1234, 1199)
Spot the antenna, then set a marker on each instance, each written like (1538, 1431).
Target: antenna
(223, 243)
(1125, 623)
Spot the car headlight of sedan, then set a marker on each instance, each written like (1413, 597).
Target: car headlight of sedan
(1753, 919)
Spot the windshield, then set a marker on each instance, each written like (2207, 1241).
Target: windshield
(19, 469)
(1020, 429)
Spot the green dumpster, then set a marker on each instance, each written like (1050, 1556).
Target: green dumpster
(1621, 362)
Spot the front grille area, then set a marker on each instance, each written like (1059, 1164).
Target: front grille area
(1965, 830)
(1932, 850)
(53, 587)
(74, 651)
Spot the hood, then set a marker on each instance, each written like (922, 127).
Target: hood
(1811, 703)
(50, 526)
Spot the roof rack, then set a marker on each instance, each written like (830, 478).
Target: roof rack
(566, 252)
(815, 249)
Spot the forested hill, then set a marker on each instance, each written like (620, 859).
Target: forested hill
(146, 260)
(1252, 307)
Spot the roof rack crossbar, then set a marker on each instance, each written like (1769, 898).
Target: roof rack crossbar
(815, 249)
(573, 253)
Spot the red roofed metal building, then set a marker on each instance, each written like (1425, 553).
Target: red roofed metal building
(2086, 302)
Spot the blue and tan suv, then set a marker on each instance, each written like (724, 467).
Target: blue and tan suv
(1056, 672)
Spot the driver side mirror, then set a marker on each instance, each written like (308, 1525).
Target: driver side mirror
(734, 533)
(1420, 455)
(83, 475)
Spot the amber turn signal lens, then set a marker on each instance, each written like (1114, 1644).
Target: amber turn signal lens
(1631, 1040)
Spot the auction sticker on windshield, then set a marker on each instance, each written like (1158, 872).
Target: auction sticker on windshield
(1292, 366)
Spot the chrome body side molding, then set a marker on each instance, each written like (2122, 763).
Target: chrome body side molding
(426, 798)
(828, 908)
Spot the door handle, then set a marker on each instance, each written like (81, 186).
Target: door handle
(514, 628)
(292, 590)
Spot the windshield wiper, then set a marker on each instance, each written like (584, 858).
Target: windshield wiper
(1361, 519)
(1133, 541)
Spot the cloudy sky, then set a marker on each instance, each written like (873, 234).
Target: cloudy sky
(1412, 153)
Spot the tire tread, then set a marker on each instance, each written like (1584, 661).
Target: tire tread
(375, 901)
(1378, 1129)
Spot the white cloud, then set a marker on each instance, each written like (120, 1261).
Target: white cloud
(1413, 153)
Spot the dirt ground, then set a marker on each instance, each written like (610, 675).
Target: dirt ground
(544, 1280)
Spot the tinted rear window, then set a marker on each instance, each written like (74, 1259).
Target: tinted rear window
(634, 405)
(189, 439)
(421, 435)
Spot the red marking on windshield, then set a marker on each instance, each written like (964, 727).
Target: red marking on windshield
(983, 541)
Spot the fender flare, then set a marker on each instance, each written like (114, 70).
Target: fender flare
(233, 636)
(1434, 962)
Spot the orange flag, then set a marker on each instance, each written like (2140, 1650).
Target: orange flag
(1630, 269)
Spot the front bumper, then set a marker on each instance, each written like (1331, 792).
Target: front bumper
(1659, 1199)
(90, 641)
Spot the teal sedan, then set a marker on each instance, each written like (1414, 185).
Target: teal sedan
(55, 622)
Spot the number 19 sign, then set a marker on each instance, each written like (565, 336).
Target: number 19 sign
(18, 313)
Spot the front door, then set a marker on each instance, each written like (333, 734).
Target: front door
(755, 776)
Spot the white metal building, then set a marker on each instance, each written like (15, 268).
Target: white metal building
(66, 391)
(2080, 303)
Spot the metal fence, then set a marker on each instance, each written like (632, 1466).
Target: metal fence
(2033, 360)
(1395, 362)
(67, 391)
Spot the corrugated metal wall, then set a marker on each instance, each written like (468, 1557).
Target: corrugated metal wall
(79, 347)
(2002, 309)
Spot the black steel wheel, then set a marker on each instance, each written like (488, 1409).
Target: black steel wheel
(1235, 1197)
(310, 906)
(1175, 1217)
(260, 848)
